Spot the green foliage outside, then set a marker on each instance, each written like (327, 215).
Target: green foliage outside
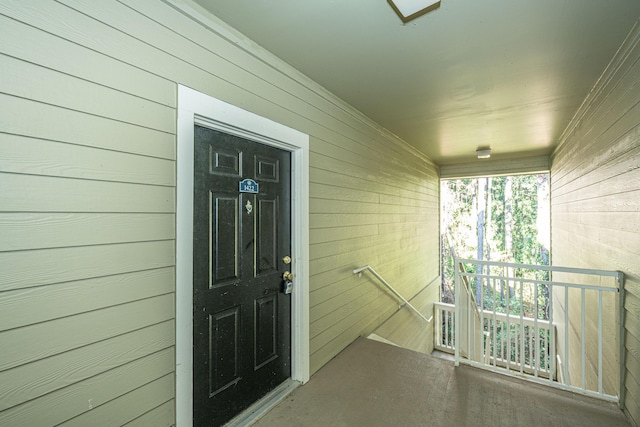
(501, 219)
(500, 222)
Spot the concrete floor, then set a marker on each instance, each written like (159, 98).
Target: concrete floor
(376, 384)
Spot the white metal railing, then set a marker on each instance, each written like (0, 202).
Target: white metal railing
(516, 344)
(496, 350)
(444, 337)
(539, 319)
(359, 271)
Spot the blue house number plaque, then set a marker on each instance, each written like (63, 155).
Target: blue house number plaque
(248, 186)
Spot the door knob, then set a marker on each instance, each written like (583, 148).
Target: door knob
(287, 276)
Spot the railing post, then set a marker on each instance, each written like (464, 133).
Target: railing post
(600, 373)
(508, 323)
(552, 338)
(583, 340)
(437, 326)
(470, 330)
(523, 336)
(536, 333)
(567, 329)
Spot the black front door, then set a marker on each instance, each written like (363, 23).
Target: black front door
(241, 315)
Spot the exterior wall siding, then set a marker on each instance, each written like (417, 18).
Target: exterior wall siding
(405, 329)
(595, 185)
(87, 203)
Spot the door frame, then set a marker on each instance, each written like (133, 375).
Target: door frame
(198, 108)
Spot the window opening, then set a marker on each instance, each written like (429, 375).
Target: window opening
(500, 218)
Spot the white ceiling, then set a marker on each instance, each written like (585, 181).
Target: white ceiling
(508, 74)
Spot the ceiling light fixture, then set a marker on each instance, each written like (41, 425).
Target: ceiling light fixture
(483, 153)
(411, 9)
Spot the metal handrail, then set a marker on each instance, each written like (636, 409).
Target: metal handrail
(359, 271)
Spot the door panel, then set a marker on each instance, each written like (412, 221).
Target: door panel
(267, 169)
(266, 332)
(224, 240)
(225, 161)
(223, 350)
(267, 232)
(241, 317)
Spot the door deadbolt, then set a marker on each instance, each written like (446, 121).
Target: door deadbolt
(287, 276)
(286, 260)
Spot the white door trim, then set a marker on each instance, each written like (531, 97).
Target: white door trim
(197, 108)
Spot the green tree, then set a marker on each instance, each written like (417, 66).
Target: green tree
(495, 219)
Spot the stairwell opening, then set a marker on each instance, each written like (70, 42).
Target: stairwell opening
(505, 308)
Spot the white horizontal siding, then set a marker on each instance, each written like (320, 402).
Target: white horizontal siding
(87, 171)
(81, 296)
(44, 376)
(38, 230)
(77, 161)
(26, 80)
(113, 383)
(27, 118)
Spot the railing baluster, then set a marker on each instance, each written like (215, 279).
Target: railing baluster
(446, 333)
(457, 290)
(532, 361)
(495, 330)
(500, 338)
(524, 335)
(508, 310)
(567, 328)
(444, 328)
(453, 331)
(469, 327)
(449, 329)
(583, 339)
(440, 320)
(516, 343)
(536, 331)
(452, 334)
(600, 342)
(497, 350)
(552, 337)
(547, 351)
(439, 338)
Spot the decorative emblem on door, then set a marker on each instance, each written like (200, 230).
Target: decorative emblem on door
(249, 207)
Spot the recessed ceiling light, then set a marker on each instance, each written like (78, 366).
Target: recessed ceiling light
(411, 9)
(483, 153)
